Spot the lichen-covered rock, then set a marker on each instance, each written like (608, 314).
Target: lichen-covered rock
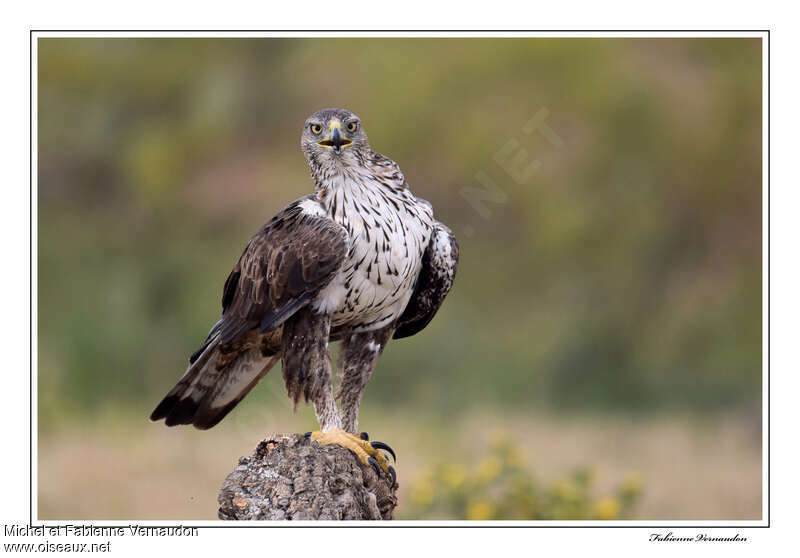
(289, 477)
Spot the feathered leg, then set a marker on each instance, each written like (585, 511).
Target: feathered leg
(307, 373)
(360, 352)
(307, 365)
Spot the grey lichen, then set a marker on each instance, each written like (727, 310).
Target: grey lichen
(289, 477)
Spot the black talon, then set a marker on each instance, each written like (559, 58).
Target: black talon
(374, 462)
(364, 436)
(381, 445)
(394, 475)
(307, 435)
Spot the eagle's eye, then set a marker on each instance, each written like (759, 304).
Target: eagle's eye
(352, 126)
(316, 129)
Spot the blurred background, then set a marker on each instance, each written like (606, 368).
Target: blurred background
(600, 353)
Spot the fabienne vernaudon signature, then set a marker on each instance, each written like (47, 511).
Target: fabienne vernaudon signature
(700, 537)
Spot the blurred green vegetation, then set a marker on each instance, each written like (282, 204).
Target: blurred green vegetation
(624, 275)
(502, 487)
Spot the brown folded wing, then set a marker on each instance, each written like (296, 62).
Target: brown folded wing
(283, 267)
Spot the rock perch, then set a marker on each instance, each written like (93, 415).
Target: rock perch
(289, 477)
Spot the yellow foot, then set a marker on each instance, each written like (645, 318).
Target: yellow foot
(366, 451)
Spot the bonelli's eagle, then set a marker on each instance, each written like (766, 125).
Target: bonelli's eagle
(361, 260)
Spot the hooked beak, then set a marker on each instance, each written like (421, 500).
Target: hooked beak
(335, 139)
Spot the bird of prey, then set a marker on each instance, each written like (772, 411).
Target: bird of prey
(361, 260)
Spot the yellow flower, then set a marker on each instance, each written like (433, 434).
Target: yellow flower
(489, 469)
(422, 493)
(566, 491)
(607, 508)
(515, 458)
(454, 476)
(478, 510)
(632, 485)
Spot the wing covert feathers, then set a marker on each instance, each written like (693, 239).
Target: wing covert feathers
(283, 267)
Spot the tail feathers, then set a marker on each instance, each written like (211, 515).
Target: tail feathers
(205, 393)
(212, 336)
(178, 405)
(236, 382)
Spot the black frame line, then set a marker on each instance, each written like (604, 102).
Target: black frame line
(265, 525)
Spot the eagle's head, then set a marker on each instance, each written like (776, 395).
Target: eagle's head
(334, 138)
